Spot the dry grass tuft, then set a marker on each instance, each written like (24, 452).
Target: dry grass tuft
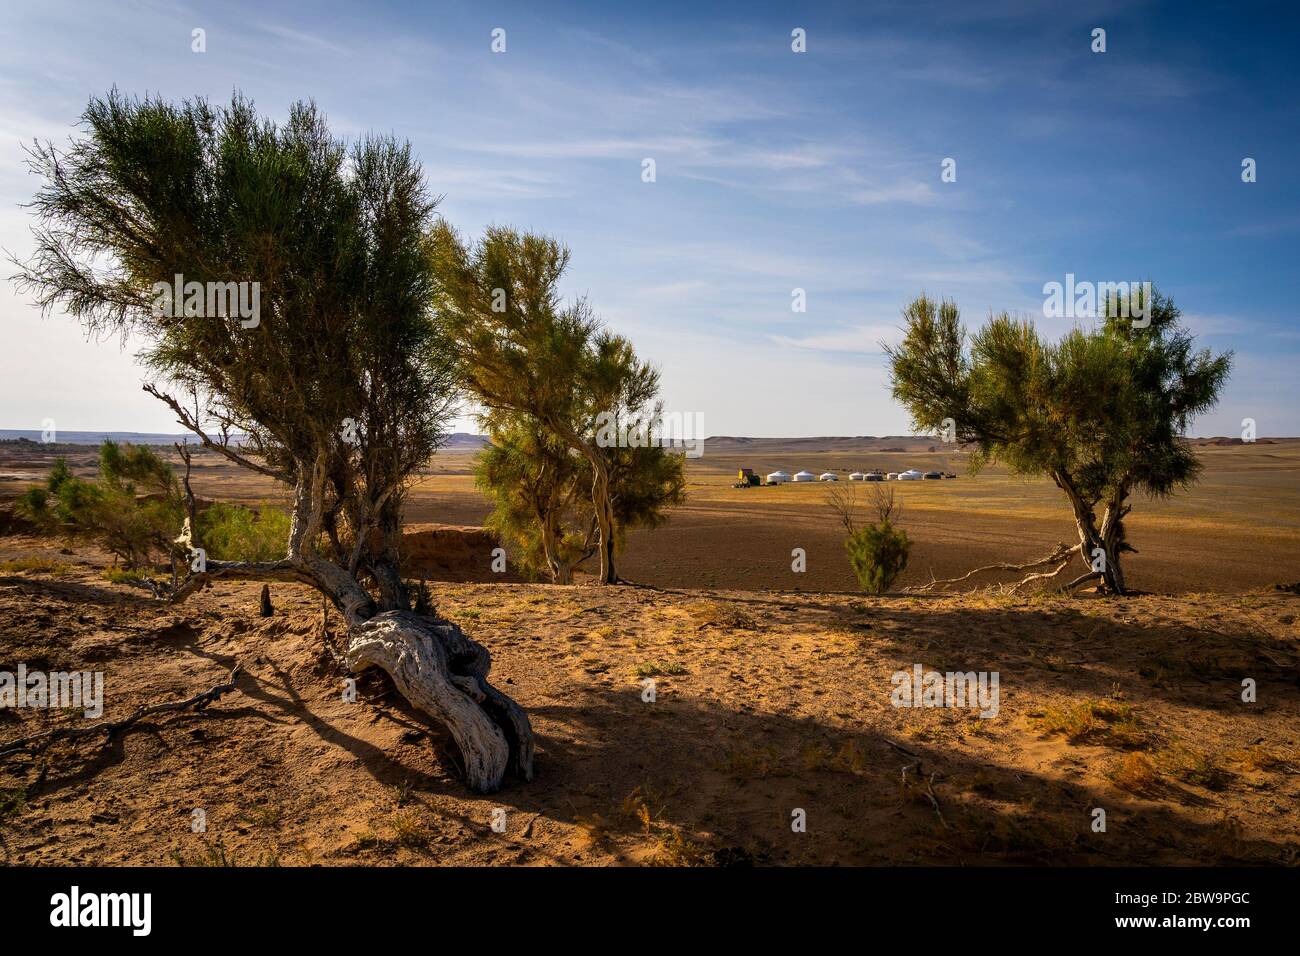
(35, 566)
(752, 762)
(847, 758)
(408, 829)
(1106, 722)
(708, 614)
(676, 850)
(1260, 759)
(1137, 774)
(656, 669)
(1198, 767)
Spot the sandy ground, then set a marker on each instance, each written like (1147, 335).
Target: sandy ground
(772, 693)
(765, 703)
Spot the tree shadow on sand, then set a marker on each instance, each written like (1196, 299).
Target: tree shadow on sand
(731, 781)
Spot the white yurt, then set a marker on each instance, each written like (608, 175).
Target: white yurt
(778, 478)
(804, 476)
(911, 475)
(891, 476)
(857, 476)
(828, 476)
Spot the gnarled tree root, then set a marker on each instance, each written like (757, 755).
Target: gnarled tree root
(444, 674)
(434, 665)
(1059, 556)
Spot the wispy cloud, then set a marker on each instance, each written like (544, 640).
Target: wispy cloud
(866, 339)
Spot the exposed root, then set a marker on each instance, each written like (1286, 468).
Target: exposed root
(1059, 556)
(1082, 579)
(934, 801)
(283, 570)
(108, 729)
(434, 665)
(444, 674)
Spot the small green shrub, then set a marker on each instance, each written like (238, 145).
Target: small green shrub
(133, 509)
(235, 533)
(878, 554)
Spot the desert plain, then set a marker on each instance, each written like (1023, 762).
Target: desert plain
(771, 688)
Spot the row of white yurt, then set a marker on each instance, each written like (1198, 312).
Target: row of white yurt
(781, 477)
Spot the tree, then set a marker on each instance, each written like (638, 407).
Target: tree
(540, 490)
(132, 510)
(1103, 412)
(878, 551)
(645, 481)
(526, 355)
(339, 377)
(537, 487)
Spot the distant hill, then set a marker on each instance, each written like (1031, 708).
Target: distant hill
(734, 445)
(731, 445)
(1216, 441)
(94, 438)
(456, 440)
(717, 445)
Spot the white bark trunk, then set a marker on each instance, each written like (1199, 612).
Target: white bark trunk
(444, 674)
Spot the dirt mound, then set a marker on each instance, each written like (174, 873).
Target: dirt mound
(442, 552)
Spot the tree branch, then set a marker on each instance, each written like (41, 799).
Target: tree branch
(1059, 554)
(198, 702)
(1082, 579)
(190, 422)
(283, 570)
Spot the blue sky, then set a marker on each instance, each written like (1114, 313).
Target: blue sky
(774, 170)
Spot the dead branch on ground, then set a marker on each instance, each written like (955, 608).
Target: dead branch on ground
(1059, 556)
(111, 728)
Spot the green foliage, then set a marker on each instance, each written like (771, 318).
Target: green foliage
(536, 489)
(547, 375)
(336, 237)
(878, 554)
(542, 503)
(644, 482)
(133, 508)
(1107, 406)
(1103, 412)
(525, 352)
(127, 576)
(234, 533)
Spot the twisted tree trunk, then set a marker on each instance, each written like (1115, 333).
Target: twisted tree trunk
(1108, 538)
(431, 661)
(1113, 539)
(444, 674)
(604, 506)
(601, 501)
